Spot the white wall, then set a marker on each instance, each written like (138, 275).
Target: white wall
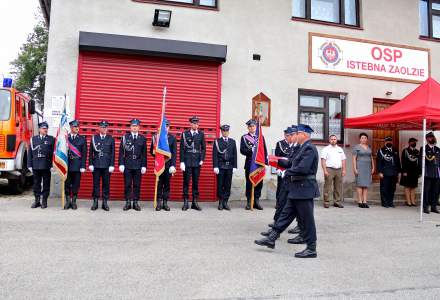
(246, 27)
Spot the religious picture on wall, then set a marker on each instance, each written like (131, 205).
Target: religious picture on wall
(261, 109)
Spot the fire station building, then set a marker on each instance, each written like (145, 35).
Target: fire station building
(294, 61)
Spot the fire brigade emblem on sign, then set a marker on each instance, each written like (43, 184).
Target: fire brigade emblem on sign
(330, 54)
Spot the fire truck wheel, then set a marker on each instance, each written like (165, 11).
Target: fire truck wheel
(17, 186)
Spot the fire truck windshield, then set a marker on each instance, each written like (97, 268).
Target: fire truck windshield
(5, 105)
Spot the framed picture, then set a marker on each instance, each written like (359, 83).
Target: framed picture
(261, 109)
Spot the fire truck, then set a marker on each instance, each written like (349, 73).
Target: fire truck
(18, 123)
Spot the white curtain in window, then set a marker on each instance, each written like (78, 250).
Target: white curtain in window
(325, 10)
(350, 12)
(299, 8)
(436, 26)
(423, 17)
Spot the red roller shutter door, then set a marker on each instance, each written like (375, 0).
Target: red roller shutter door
(118, 88)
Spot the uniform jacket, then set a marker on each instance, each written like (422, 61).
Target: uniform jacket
(173, 148)
(388, 162)
(77, 162)
(432, 159)
(41, 152)
(192, 148)
(410, 160)
(224, 154)
(102, 152)
(293, 151)
(302, 173)
(246, 148)
(133, 154)
(282, 149)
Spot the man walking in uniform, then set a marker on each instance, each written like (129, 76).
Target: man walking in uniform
(101, 164)
(247, 144)
(163, 186)
(432, 180)
(77, 155)
(333, 165)
(282, 149)
(192, 155)
(302, 188)
(388, 167)
(133, 164)
(224, 160)
(40, 163)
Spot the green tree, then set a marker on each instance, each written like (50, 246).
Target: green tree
(29, 68)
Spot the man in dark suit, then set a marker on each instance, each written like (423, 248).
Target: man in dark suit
(102, 164)
(247, 144)
(432, 178)
(302, 188)
(192, 156)
(77, 155)
(133, 163)
(163, 186)
(224, 161)
(388, 168)
(40, 163)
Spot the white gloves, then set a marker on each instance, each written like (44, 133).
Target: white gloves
(216, 170)
(182, 166)
(279, 172)
(121, 168)
(172, 170)
(82, 170)
(111, 169)
(30, 170)
(283, 173)
(234, 170)
(91, 168)
(143, 170)
(52, 169)
(201, 162)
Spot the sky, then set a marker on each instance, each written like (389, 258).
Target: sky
(17, 19)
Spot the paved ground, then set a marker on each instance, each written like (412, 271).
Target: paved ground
(372, 253)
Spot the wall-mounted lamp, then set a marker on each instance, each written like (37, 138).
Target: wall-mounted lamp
(162, 18)
(388, 93)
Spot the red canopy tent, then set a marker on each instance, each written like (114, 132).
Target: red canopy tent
(417, 111)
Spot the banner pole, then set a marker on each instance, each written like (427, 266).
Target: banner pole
(252, 197)
(63, 194)
(423, 171)
(155, 192)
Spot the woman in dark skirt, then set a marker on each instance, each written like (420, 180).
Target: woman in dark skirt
(410, 171)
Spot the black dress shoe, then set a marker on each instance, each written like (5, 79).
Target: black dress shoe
(268, 241)
(105, 205)
(195, 205)
(68, 203)
(295, 230)
(226, 206)
(366, 205)
(271, 225)
(435, 210)
(361, 205)
(127, 205)
(392, 205)
(296, 240)
(309, 252)
(136, 206)
(73, 203)
(257, 205)
(95, 204)
(220, 205)
(36, 202)
(426, 210)
(165, 205)
(265, 233)
(338, 205)
(158, 206)
(185, 205)
(44, 203)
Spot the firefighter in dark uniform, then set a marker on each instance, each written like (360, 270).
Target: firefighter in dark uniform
(192, 155)
(247, 144)
(102, 164)
(40, 163)
(224, 160)
(432, 180)
(388, 168)
(133, 163)
(302, 188)
(77, 155)
(163, 186)
(282, 149)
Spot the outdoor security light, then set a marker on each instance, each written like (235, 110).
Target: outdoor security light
(162, 18)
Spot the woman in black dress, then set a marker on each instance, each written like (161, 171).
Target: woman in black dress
(410, 171)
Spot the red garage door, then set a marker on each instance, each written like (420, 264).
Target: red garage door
(118, 88)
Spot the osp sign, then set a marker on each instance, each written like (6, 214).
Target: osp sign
(361, 58)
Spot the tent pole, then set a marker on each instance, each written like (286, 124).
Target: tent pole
(423, 170)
